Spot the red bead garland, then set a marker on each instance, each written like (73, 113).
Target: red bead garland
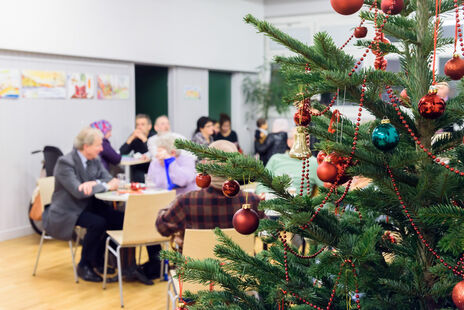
(418, 232)
(347, 188)
(289, 249)
(353, 148)
(413, 135)
(360, 25)
(332, 295)
(356, 65)
(303, 176)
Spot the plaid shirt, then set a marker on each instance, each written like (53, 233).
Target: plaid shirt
(203, 209)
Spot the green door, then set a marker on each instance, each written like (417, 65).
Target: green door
(219, 93)
(151, 90)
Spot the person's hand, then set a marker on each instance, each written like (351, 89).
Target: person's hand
(87, 187)
(161, 155)
(132, 137)
(144, 157)
(113, 184)
(139, 134)
(262, 135)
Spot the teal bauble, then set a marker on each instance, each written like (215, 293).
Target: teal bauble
(385, 137)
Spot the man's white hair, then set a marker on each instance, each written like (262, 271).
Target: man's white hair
(87, 136)
(166, 141)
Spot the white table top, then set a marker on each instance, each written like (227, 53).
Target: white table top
(131, 161)
(115, 196)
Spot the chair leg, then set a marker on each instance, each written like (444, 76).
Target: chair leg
(78, 230)
(105, 266)
(172, 295)
(118, 258)
(140, 255)
(38, 254)
(76, 278)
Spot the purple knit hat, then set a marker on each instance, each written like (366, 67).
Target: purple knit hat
(103, 125)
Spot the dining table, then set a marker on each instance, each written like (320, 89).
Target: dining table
(123, 194)
(128, 161)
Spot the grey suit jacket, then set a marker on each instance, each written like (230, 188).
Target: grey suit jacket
(67, 201)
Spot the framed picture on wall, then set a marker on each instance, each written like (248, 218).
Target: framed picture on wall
(81, 85)
(10, 83)
(113, 86)
(43, 84)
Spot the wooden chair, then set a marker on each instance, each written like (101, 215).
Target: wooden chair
(46, 188)
(199, 244)
(138, 228)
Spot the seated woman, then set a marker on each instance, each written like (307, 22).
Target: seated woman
(108, 155)
(226, 132)
(204, 132)
(172, 169)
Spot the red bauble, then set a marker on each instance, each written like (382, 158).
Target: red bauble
(327, 172)
(431, 106)
(360, 32)
(203, 180)
(320, 157)
(386, 5)
(302, 117)
(230, 188)
(380, 63)
(458, 295)
(245, 220)
(454, 68)
(346, 7)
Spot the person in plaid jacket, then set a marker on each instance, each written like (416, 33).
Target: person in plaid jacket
(206, 208)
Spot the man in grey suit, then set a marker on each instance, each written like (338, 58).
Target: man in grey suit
(78, 176)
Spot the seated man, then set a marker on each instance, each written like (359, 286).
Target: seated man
(280, 164)
(78, 176)
(137, 142)
(163, 126)
(172, 169)
(206, 208)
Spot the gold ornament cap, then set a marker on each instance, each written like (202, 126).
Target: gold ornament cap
(433, 89)
(385, 121)
(246, 206)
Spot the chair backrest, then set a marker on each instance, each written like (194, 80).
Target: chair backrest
(51, 155)
(140, 217)
(200, 243)
(46, 188)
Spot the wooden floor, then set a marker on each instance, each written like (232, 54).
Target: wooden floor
(54, 288)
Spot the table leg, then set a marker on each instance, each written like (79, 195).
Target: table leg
(127, 173)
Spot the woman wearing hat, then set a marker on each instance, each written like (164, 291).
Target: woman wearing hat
(108, 155)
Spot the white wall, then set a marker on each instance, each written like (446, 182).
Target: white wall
(183, 111)
(243, 121)
(201, 33)
(30, 124)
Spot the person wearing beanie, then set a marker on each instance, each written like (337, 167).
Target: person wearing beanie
(108, 155)
(206, 208)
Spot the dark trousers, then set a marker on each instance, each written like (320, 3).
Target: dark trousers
(97, 218)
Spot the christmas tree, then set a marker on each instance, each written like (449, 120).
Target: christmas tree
(397, 243)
